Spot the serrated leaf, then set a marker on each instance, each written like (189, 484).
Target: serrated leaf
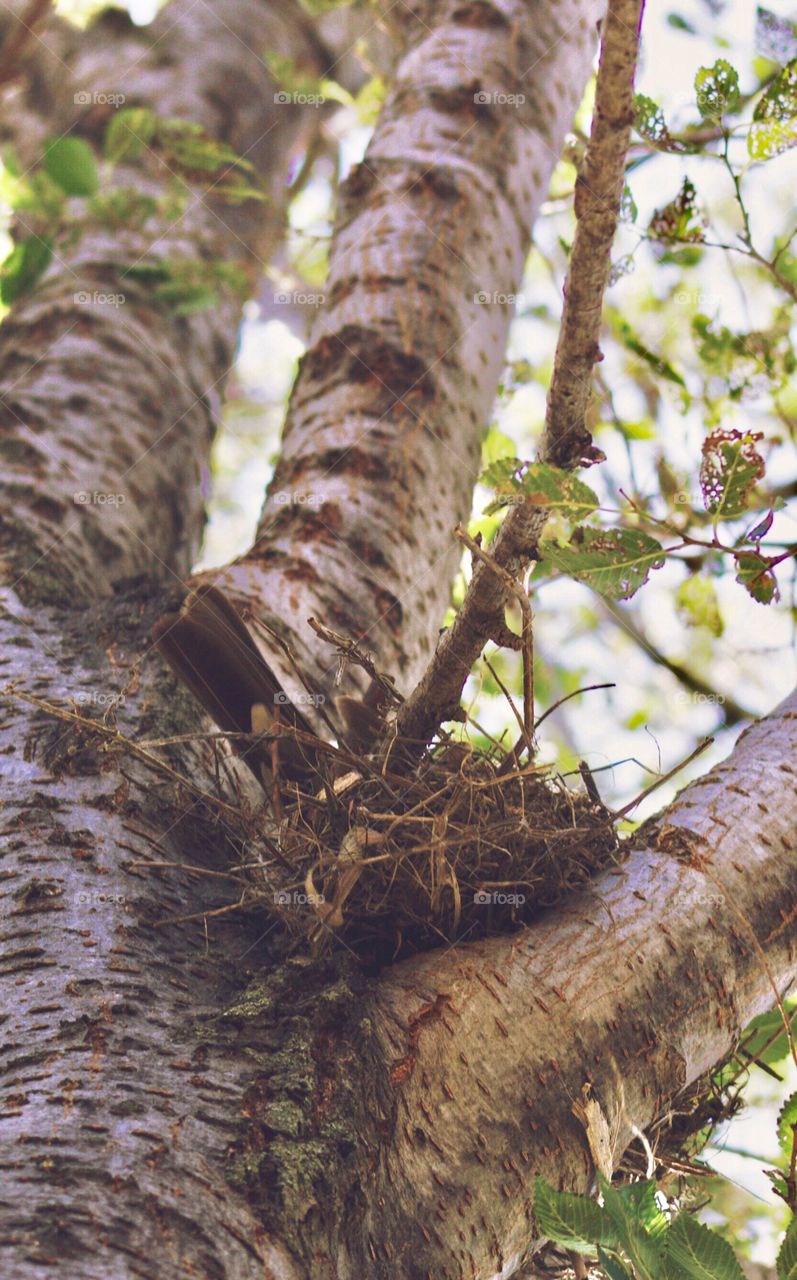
(786, 1261)
(774, 127)
(697, 603)
(129, 132)
(540, 485)
(24, 266)
(614, 1268)
(755, 575)
(730, 469)
(717, 90)
(614, 562)
(640, 1224)
(70, 163)
(573, 1221)
(701, 1253)
(787, 1119)
(765, 1038)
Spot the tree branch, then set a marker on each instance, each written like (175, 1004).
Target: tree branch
(566, 442)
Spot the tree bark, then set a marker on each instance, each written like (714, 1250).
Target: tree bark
(182, 1099)
(110, 400)
(382, 442)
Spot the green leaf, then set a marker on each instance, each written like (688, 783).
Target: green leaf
(787, 1119)
(774, 127)
(24, 266)
(70, 163)
(730, 470)
(701, 1253)
(614, 1268)
(541, 485)
(717, 90)
(765, 1038)
(614, 562)
(697, 603)
(576, 1222)
(652, 126)
(129, 132)
(755, 575)
(640, 1223)
(188, 146)
(680, 220)
(786, 1261)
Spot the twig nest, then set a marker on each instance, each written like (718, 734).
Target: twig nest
(389, 864)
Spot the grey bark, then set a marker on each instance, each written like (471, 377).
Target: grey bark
(180, 1098)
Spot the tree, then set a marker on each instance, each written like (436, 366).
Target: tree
(190, 1093)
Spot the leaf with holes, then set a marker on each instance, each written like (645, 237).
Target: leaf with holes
(681, 220)
(774, 127)
(541, 486)
(717, 90)
(614, 562)
(730, 470)
(652, 126)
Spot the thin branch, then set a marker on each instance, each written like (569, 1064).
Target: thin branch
(566, 442)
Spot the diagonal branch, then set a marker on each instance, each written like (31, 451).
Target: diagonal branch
(566, 441)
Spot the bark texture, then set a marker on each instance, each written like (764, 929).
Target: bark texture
(109, 407)
(182, 1099)
(382, 441)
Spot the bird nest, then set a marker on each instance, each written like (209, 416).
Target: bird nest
(463, 846)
